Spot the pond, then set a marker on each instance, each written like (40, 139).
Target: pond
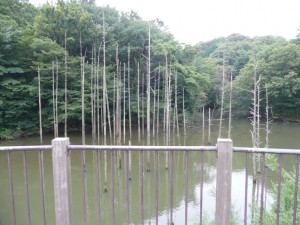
(283, 135)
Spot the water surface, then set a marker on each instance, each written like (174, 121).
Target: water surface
(284, 135)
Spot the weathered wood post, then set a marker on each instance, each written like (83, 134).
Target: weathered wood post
(62, 181)
(223, 186)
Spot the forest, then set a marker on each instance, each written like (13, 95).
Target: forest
(88, 67)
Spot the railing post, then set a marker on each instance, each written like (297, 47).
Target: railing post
(62, 181)
(223, 186)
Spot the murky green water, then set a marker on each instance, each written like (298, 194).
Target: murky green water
(284, 135)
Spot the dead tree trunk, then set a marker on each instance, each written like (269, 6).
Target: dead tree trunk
(92, 96)
(157, 117)
(203, 126)
(108, 116)
(118, 107)
(166, 92)
(143, 107)
(258, 125)
(230, 115)
(40, 107)
(129, 104)
(56, 99)
(222, 98)
(209, 126)
(124, 104)
(254, 119)
(154, 109)
(82, 93)
(104, 83)
(168, 107)
(268, 120)
(176, 109)
(66, 87)
(183, 111)
(53, 100)
(97, 96)
(138, 101)
(114, 109)
(148, 97)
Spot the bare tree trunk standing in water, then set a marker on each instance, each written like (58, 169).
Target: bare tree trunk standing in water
(40, 107)
(124, 103)
(203, 125)
(230, 116)
(128, 84)
(166, 92)
(222, 97)
(268, 120)
(104, 84)
(66, 87)
(183, 111)
(53, 100)
(258, 125)
(92, 96)
(108, 116)
(176, 109)
(138, 102)
(56, 99)
(97, 96)
(143, 107)
(166, 109)
(129, 111)
(157, 117)
(118, 107)
(104, 102)
(209, 126)
(154, 109)
(114, 109)
(254, 118)
(148, 97)
(82, 58)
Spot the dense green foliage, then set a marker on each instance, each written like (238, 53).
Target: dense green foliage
(287, 193)
(33, 37)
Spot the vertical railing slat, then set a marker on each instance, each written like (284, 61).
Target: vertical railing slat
(26, 187)
(142, 185)
(112, 174)
(262, 191)
(246, 190)
(279, 189)
(13, 208)
(127, 187)
(156, 187)
(186, 154)
(62, 181)
(42, 184)
(296, 190)
(201, 185)
(83, 186)
(98, 186)
(171, 185)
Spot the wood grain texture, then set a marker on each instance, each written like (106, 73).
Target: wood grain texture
(62, 181)
(223, 186)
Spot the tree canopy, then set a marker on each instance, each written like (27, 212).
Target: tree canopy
(33, 37)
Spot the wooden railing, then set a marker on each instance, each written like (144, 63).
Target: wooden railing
(224, 149)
